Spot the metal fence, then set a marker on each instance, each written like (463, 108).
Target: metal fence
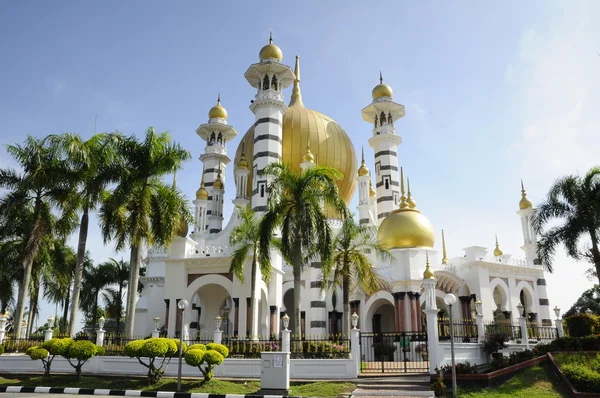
(512, 330)
(326, 347)
(465, 331)
(394, 352)
(541, 333)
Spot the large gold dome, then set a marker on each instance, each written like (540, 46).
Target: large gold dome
(405, 228)
(329, 143)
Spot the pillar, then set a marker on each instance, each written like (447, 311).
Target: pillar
(273, 321)
(418, 311)
(236, 315)
(396, 312)
(99, 337)
(400, 310)
(48, 335)
(413, 315)
(355, 350)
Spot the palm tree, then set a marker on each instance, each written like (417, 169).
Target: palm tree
(95, 279)
(353, 248)
(575, 201)
(120, 276)
(143, 209)
(246, 237)
(296, 207)
(38, 188)
(90, 169)
(58, 279)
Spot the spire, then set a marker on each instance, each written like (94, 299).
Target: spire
(444, 256)
(497, 251)
(409, 199)
(270, 36)
(428, 274)
(219, 99)
(380, 78)
(296, 93)
(524, 203)
(403, 204)
(363, 170)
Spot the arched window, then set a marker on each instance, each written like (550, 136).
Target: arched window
(390, 120)
(212, 139)
(266, 82)
(220, 139)
(274, 83)
(382, 119)
(262, 190)
(387, 183)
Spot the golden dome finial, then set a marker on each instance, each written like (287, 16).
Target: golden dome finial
(270, 50)
(217, 111)
(296, 93)
(363, 170)
(428, 274)
(409, 200)
(382, 90)
(403, 204)
(497, 251)
(524, 203)
(202, 193)
(444, 256)
(218, 182)
(372, 192)
(308, 156)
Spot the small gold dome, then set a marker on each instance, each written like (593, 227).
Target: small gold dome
(372, 192)
(242, 163)
(497, 251)
(405, 228)
(363, 170)
(202, 193)
(428, 274)
(308, 156)
(218, 182)
(217, 111)
(524, 203)
(270, 51)
(182, 229)
(382, 90)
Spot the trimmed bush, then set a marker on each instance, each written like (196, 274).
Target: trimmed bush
(582, 325)
(495, 342)
(37, 353)
(1, 349)
(152, 349)
(583, 378)
(79, 353)
(210, 355)
(48, 350)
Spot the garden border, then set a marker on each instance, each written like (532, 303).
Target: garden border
(572, 390)
(494, 378)
(128, 393)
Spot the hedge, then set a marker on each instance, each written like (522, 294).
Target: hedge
(582, 325)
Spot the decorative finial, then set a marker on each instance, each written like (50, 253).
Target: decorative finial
(308, 156)
(428, 274)
(444, 256)
(380, 78)
(409, 199)
(524, 203)
(427, 258)
(403, 204)
(362, 148)
(497, 251)
(219, 99)
(270, 36)
(296, 93)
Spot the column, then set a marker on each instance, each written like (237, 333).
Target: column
(248, 316)
(273, 321)
(236, 315)
(401, 309)
(396, 313)
(413, 315)
(418, 311)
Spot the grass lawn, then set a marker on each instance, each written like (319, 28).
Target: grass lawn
(215, 386)
(535, 382)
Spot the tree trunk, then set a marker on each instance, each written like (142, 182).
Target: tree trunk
(134, 276)
(63, 327)
(253, 296)
(119, 308)
(33, 306)
(595, 252)
(297, 270)
(83, 232)
(346, 303)
(95, 313)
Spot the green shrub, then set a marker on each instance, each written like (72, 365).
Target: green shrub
(583, 378)
(133, 348)
(184, 347)
(152, 349)
(30, 349)
(520, 356)
(582, 325)
(542, 349)
(58, 346)
(1, 349)
(566, 344)
(590, 343)
(495, 342)
(38, 353)
(79, 352)
(210, 355)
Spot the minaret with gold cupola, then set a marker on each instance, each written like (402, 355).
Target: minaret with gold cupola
(364, 193)
(269, 77)
(382, 114)
(241, 182)
(526, 212)
(200, 213)
(217, 133)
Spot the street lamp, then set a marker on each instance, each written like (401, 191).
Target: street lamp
(520, 309)
(286, 321)
(478, 307)
(101, 323)
(218, 321)
(50, 322)
(182, 305)
(557, 312)
(450, 300)
(225, 313)
(354, 320)
(156, 321)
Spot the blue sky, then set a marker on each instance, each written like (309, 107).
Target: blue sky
(494, 92)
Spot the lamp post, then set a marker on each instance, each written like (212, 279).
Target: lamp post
(557, 312)
(101, 322)
(182, 305)
(450, 300)
(286, 321)
(354, 320)
(225, 315)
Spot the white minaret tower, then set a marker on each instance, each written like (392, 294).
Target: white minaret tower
(268, 77)
(217, 133)
(526, 212)
(241, 181)
(364, 193)
(382, 113)
(200, 214)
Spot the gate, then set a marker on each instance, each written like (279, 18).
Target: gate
(394, 352)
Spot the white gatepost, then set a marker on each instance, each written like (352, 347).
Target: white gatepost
(558, 324)
(156, 332)
(355, 345)
(100, 332)
(479, 322)
(523, 325)
(49, 331)
(431, 312)
(3, 321)
(285, 340)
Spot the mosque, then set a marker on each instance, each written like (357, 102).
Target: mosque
(196, 266)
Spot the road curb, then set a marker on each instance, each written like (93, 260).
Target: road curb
(126, 393)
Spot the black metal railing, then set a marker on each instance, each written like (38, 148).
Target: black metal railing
(394, 352)
(512, 330)
(326, 347)
(465, 331)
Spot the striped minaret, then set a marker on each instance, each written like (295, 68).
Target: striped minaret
(269, 77)
(382, 113)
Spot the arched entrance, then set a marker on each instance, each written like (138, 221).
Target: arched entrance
(208, 302)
